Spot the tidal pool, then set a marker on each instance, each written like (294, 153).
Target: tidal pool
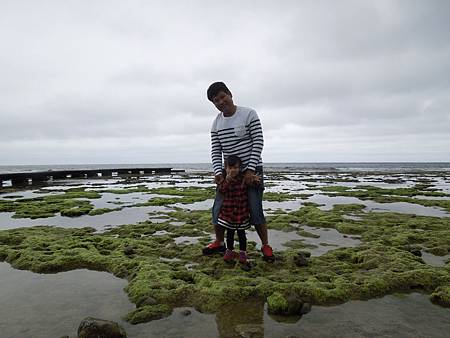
(42, 306)
(202, 205)
(401, 207)
(125, 216)
(328, 239)
(37, 305)
(434, 260)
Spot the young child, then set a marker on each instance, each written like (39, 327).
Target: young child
(234, 215)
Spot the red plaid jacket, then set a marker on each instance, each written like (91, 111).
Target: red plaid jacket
(235, 209)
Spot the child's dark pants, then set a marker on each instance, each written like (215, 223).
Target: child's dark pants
(242, 239)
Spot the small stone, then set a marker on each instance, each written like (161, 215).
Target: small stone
(301, 259)
(128, 250)
(100, 328)
(246, 266)
(306, 307)
(415, 250)
(186, 312)
(295, 304)
(307, 254)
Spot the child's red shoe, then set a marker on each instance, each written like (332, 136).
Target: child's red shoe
(243, 257)
(243, 261)
(229, 256)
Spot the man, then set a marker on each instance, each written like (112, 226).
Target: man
(237, 131)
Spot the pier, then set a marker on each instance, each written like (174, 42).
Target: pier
(27, 178)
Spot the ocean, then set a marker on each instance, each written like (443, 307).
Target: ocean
(294, 167)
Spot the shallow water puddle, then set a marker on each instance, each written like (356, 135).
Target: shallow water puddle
(330, 239)
(202, 205)
(276, 238)
(285, 205)
(434, 260)
(186, 240)
(111, 200)
(130, 215)
(25, 194)
(401, 207)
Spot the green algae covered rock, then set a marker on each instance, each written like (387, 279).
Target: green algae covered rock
(68, 204)
(148, 312)
(441, 296)
(164, 272)
(277, 303)
(284, 305)
(99, 328)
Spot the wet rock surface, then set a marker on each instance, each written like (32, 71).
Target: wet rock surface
(99, 328)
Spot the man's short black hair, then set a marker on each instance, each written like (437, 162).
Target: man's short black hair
(215, 89)
(232, 160)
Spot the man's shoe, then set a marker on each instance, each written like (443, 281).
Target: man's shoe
(214, 247)
(267, 252)
(230, 256)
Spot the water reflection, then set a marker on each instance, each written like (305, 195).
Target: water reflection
(40, 305)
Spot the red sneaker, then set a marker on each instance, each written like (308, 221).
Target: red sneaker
(214, 247)
(230, 256)
(267, 252)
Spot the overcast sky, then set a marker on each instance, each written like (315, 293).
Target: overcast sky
(125, 81)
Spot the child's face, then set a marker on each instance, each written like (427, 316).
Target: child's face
(232, 170)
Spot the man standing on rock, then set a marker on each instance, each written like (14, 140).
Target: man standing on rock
(237, 131)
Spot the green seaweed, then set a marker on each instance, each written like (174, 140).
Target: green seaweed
(72, 203)
(382, 264)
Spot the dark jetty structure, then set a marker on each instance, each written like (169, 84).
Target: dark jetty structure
(26, 178)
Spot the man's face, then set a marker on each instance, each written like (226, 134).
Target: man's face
(224, 102)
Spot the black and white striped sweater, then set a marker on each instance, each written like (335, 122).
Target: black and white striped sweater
(241, 135)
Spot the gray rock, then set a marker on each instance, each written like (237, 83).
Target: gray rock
(301, 259)
(295, 304)
(306, 307)
(129, 250)
(415, 250)
(186, 312)
(100, 328)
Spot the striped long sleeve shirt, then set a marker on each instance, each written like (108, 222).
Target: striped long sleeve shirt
(241, 135)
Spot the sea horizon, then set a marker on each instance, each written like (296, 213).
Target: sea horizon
(269, 166)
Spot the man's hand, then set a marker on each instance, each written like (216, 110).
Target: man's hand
(250, 178)
(218, 179)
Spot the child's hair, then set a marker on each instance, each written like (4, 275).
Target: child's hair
(232, 160)
(215, 89)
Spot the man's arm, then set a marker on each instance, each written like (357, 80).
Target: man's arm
(216, 156)
(256, 134)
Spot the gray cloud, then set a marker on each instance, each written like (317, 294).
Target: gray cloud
(117, 82)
